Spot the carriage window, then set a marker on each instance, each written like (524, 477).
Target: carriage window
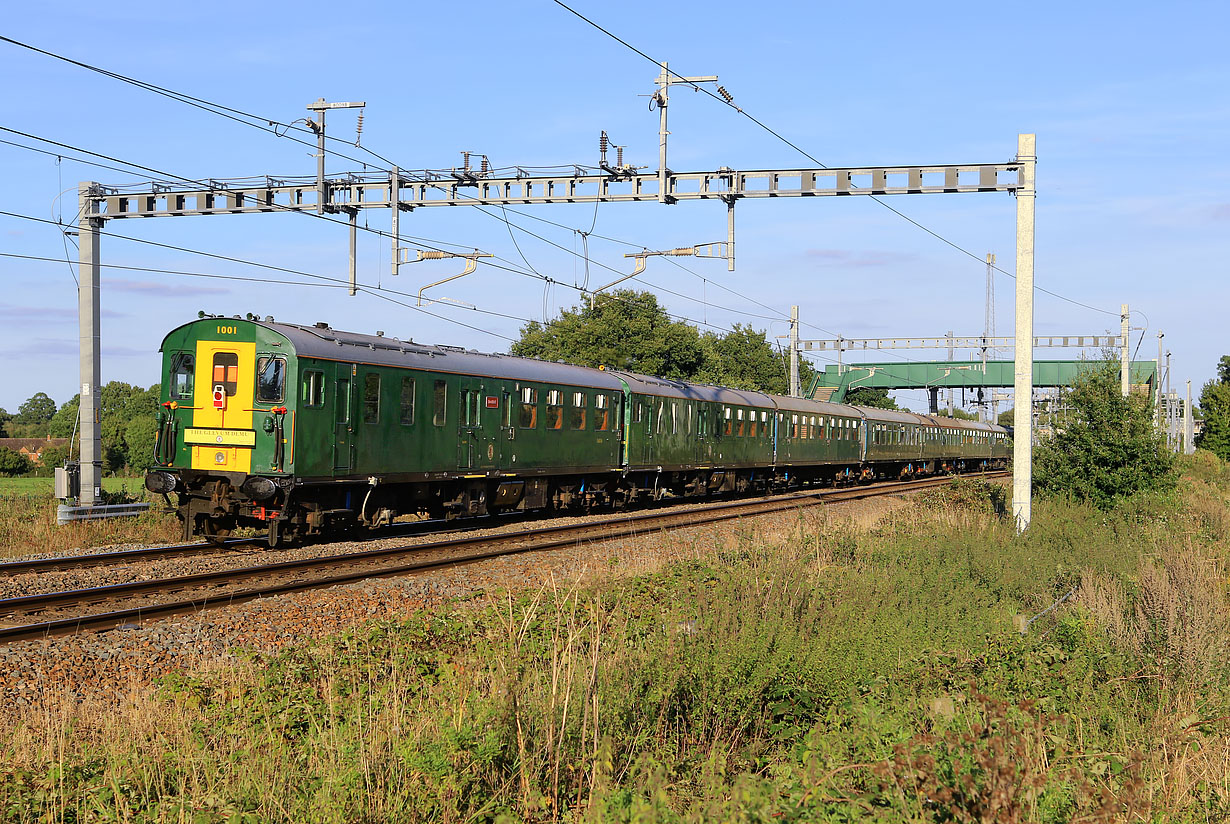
(751, 425)
(439, 401)
(407, 401)
(506, 411)
(661, 414)
(674, 418)
(702, 422)
(555, 409)
(371, 398)
(471, 401)
(343, 400)
(576, 418)
(637, 409)
(183, 367)
(270, 379)
(226, 371)
(529, 408)
(313, 388)
(794, 426)
(729, 426)
(602, 413)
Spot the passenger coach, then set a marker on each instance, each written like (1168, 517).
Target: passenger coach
(300, 430)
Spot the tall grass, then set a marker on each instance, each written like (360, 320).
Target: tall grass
(28, 526)
(827, 672)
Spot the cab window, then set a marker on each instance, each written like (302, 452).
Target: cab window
(270, 379)
(183, 371)
(226, 371)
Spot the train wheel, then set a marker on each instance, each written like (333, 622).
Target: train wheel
(217, 530)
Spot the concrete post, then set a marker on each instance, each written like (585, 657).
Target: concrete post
(395, 202)
(795, 391)
(1189, 443)
(354, 230)
(1124, 329)
(663, 99)
(1023, 371)
(88, 226)
(1169, 407)
(951, 392)
(1157, 382)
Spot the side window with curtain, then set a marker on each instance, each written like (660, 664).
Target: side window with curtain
(528, 418)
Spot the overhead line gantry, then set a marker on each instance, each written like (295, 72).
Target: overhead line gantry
(405, 191)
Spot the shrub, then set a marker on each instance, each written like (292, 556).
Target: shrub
(13, 462)
(1105, 447)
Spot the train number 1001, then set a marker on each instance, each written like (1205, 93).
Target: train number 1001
(226, 330)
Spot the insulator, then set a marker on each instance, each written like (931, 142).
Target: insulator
(434, 254)
(603, 142)
(358, 129)
(465, 156)
(619, 155)
(722, 91)
(486, 165)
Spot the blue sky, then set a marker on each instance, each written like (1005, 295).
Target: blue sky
(1128, 101)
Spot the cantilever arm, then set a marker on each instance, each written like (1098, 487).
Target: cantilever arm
(471, 265)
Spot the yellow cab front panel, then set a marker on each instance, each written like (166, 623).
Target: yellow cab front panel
(224, 437)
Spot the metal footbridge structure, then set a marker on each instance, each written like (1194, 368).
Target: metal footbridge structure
(837, 380)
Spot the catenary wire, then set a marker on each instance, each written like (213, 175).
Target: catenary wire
(810, 157)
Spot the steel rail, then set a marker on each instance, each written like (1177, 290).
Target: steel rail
(530, 540)
(117, 558)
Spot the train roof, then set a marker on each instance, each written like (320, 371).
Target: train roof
(321, 341)
(649, 385)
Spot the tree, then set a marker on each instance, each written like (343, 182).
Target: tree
(1215, 408)
(37, 409)
(1104, 445)
(744, 358)
(64, 422)
(13, 462)
(631, 330)
(866, 396)
(5, 417)
(626, 330)
(1006, 418)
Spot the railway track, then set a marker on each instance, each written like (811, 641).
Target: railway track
(132, 603)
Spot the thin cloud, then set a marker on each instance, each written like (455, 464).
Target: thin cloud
(35, 314)
(159, 289)
(1220, 212)
(859, 258)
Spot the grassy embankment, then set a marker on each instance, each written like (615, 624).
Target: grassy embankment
(837, 674)
(28, 519)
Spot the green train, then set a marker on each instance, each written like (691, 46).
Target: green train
(305, 430)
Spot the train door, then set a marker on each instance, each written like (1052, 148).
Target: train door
(704, 433)
(478, 425)
(343, 418)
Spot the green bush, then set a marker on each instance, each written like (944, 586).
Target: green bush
(13, 462)
(1104, 447)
